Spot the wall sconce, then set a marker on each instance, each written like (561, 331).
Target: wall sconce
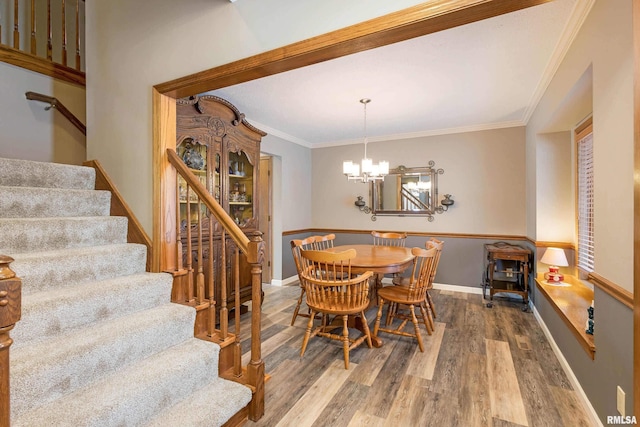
(445, 203)
(362, 205)
(554, 257)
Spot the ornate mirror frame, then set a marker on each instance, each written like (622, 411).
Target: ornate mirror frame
(406, 192)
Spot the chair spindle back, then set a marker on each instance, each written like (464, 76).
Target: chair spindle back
(329, 286)
(389, 239)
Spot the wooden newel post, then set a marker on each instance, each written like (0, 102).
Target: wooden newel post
(10, 310)
(255, 369)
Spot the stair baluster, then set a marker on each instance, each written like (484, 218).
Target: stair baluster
(211, 284)
(16, 25)
(10, 312)
(189, 260)
(224, 311)
(200, 276)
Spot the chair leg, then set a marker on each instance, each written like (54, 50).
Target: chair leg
(295, 312)
(345, 340)
(307, 333)
(376, 326)
(430, 314)
(431, 306)
(391, 312)
(367, 332)
(414, 319)
(426, 318)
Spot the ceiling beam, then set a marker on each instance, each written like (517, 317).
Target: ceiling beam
(416, 21)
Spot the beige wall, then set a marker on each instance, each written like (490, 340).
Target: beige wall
(127, 55)
(556, 204)
(31, 133)
(291, 198)
(484, 171)
(601, 53)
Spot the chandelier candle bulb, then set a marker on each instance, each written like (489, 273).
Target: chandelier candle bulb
(367, 165)
(384, 167)
(347, 167)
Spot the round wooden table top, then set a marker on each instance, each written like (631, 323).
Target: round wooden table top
(379, 259)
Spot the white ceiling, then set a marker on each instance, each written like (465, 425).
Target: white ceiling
(488, 74)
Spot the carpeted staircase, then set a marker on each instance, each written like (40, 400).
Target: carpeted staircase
(99, 342)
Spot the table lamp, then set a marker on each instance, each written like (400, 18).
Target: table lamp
(555, 258)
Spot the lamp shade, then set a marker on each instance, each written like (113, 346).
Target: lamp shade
(554, 256)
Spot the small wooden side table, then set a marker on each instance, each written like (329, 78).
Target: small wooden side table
(507, 271)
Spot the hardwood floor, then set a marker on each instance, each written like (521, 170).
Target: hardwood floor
(481, 367)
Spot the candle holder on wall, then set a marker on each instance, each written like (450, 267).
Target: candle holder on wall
(362, 205)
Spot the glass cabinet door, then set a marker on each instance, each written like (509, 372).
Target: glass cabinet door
(195, 157)
(215, 181)
(240, 188)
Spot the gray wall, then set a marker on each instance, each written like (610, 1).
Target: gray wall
(613, 363)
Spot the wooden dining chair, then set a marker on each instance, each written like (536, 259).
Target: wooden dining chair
(411, 296)
(333, 292)
(438, 245)
(432, 243)
(296, 246)
(389, 239)
(324, 242)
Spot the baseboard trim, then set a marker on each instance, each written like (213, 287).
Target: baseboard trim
(458, 288)
(567, 369)
(285, 282)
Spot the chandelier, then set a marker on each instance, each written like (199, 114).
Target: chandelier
(369, 171)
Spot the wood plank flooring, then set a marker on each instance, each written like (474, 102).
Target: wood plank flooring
(481, 367)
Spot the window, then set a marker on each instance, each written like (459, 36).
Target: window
(584, 208)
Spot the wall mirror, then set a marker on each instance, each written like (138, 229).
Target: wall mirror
(408, 192)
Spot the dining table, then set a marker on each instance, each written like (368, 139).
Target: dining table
(380, 260)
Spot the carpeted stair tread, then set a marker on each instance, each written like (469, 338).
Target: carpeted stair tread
(45, 314)
(136, 394)
(42, 271)
(27, 173)
(44, 234)
(207, 407)
(45, 371)
(34, 202)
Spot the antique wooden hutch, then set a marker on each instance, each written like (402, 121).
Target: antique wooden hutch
(223, 150)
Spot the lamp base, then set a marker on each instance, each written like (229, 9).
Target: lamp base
(554, 278)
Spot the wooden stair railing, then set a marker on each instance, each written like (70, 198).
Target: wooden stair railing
(411, 202)
(200, 295)
(119, 207)
(51, 59)
(55, 103)
(10, 312)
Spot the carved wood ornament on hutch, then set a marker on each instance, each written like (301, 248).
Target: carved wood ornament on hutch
(223, 150)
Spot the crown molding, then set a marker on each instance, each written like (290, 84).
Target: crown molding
(283, 135)
(392, 137)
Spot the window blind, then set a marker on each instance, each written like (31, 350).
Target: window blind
(585, 203)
